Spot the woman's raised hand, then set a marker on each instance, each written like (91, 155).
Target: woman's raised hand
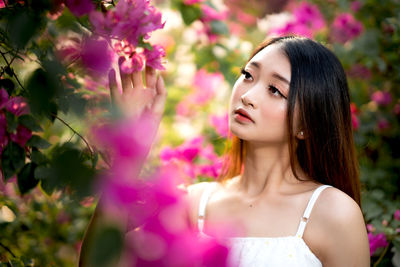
(137, 96)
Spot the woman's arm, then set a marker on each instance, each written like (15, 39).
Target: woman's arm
(342, 233)
(137, 97)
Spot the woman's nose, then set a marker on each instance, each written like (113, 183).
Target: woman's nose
(247, 100)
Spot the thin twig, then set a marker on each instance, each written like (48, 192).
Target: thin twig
(6, 248)
(15, 75)
(75, 132)
(382, 255)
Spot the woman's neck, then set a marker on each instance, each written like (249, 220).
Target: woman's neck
(267, 170)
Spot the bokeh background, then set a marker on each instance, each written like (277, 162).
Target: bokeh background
(54, 89)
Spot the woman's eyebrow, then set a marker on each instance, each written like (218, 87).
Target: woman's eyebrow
(281, 78)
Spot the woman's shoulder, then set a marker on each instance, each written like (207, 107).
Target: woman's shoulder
(337, 226)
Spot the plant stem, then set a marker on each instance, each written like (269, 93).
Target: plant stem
(382, 255)
(8, 250)
(75, 132)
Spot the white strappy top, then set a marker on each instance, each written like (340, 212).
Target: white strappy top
(267, 251)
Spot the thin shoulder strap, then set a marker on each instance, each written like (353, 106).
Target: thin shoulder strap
(307, 212)
(203, 204)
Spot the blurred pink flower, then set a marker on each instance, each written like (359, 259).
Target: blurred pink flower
(354, 118)
(355, 6)
(79, 7)
(376, 241)
(3, 132)
(3, 96)
(154, 56)
(205, 85)
(396, 109)
(383, 124)
(133, 63)
(96, 55)
(210, 14)
(307, 20)
(192, 2)
(2, 4)
(21, 136)
(359, 71)
(345, 28)
(130, 20)
(381, 98)
(17, 105)
(220, 124)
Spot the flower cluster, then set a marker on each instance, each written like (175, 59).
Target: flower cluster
(355, 120)
(130, 23)
(155, 207)
(17, 106)
(220, 124)
(345, 27)
(186, 158)
(376, 241)
(306, 21)
(205, 86)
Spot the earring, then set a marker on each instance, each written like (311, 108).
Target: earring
(301, 133)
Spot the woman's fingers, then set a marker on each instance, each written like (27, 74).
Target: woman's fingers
(125, 78)
(160, 97)
(112, 81)
(151, 77)
(137, 80)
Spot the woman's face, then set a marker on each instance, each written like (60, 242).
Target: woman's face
(261, 92)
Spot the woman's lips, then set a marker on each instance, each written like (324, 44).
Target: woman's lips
(242, 115)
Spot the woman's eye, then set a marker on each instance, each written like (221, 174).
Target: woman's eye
(274, 91)
(247, 75)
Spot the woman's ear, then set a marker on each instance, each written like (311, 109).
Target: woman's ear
(300, 135)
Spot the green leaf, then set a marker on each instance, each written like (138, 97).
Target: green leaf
(107, 246)
(190, 13)
(219, 27)
(12, 159)
(23, 26)
(12, 122)
(38, 157)
(39, 142)
(26, 179)
(30, 122)
(8, 85)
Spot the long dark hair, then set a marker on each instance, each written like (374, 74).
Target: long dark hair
(318, 88)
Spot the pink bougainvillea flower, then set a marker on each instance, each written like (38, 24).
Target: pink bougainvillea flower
(154, 56)
(354, 118)
(3, 97)
(309, 15)
(21, 136)
(397, 215)
(3, 132)
(18, 106)
(220, 124)
(133, 63)
(376, 241)
(210, 14)
(192, 2)
(359, 71)
(130, 20)
(383, 124)
(345, 28)
(307, 20)
(205, 85)
(355, 6)
(79, 7)
(96, 55)
(382, 98)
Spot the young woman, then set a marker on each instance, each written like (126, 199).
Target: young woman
(290, 185)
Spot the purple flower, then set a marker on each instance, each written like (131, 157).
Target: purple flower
(96, 55)
(210, 14)
(79, 7)
(154, 56)
(397, 215)
(3, 97)
(345, 28)
(17, 105)
(220, 124)
(205, 85)
(134, 63)
(21, 136)
(3, 132)
(381, 98)
(307, 19)
(130, 20)
(355, 6)
(376, 241)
